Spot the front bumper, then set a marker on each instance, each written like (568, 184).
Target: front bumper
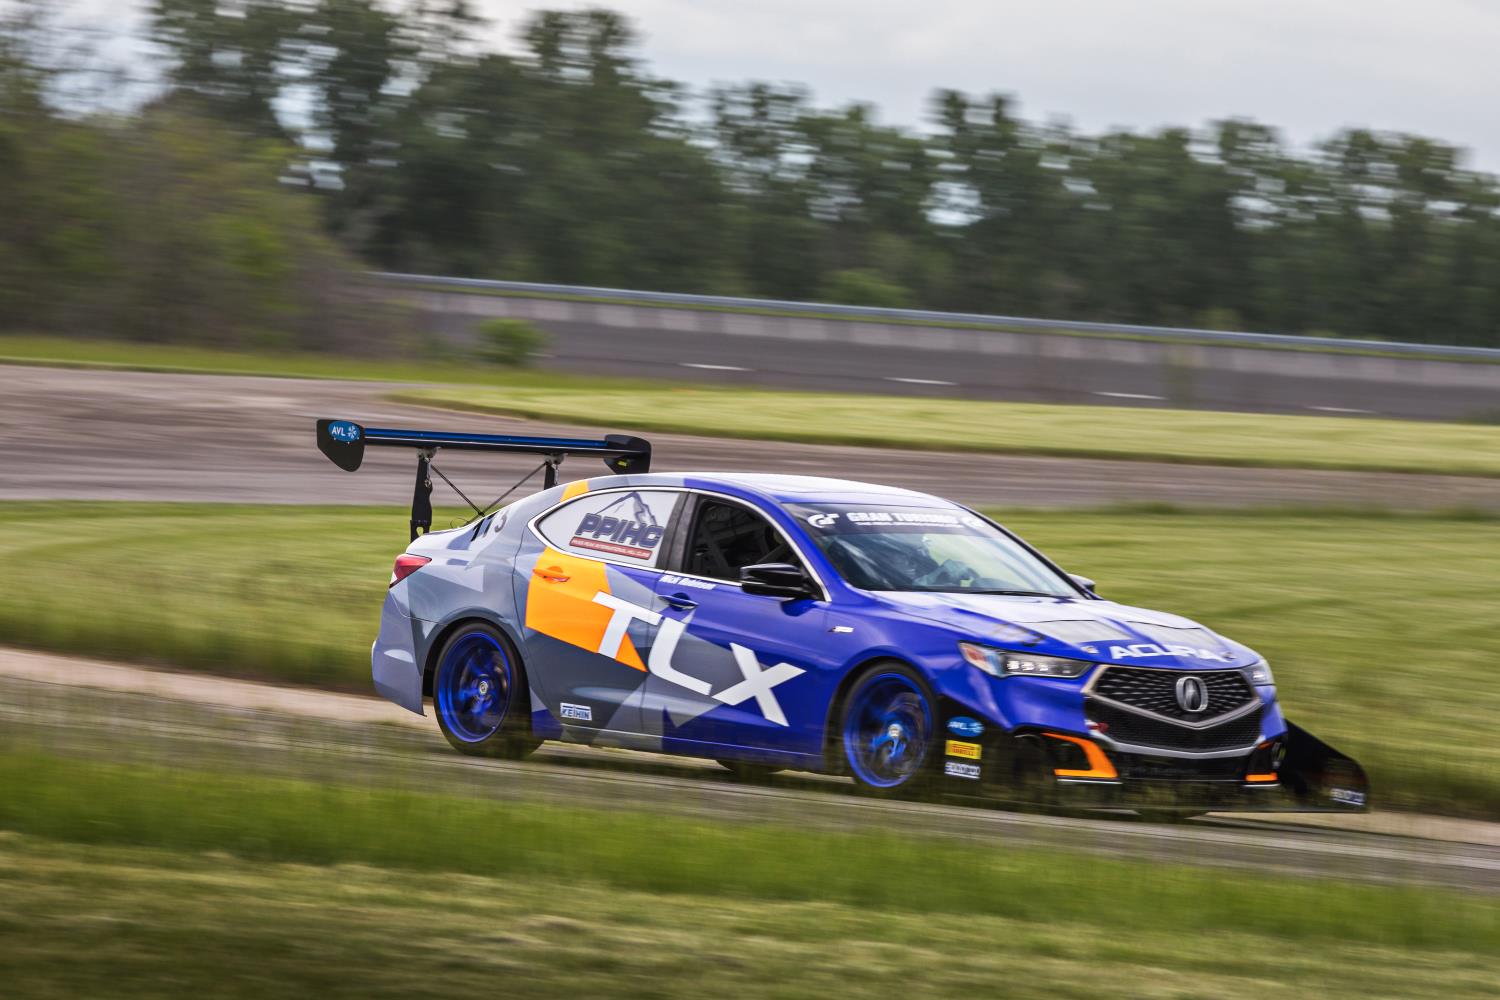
(1052, 768)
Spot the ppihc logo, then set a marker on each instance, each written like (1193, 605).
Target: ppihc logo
(636, 536)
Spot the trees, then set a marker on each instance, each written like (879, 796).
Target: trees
(568, 160)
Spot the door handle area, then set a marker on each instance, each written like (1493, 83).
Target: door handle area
(552, 574)
(681, 602)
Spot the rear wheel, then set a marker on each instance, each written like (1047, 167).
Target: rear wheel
(479, 694)
(887, 733)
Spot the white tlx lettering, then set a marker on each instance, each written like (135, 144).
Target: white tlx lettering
(624, 611)
(660, 662)
(758, 684)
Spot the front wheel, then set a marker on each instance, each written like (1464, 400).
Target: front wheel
(887, 731)
(479, 694)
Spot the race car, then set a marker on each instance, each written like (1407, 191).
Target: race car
(776, 622)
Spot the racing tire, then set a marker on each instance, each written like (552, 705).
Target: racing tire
(480, 696)
(887, 732)
(750, 774)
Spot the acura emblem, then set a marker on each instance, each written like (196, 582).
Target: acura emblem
(1192, 694)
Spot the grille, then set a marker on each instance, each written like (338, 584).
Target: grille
(1142, 731)
(1156, 691)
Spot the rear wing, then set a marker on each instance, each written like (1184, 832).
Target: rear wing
(344, 442)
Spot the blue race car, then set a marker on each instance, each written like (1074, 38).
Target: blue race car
(787, 622)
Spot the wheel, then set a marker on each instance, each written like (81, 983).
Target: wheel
(887, 732)
(479, 694)
(751, 774)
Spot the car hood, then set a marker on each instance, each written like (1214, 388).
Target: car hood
(1102, 631)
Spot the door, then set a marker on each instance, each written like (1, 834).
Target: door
(589, 618)
(731, 669)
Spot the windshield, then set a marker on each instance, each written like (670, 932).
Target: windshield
(941, 549)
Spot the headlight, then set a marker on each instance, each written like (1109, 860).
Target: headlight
(1004, 663)
(1259, 673)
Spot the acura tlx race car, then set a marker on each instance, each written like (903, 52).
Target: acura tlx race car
(787, 622)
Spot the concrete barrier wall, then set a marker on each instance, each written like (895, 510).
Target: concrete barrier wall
(864, 350)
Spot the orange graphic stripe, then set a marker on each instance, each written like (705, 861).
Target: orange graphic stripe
(560, 603)
(1099, 765)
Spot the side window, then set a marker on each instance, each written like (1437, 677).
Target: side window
(627, 527)
(727, 537)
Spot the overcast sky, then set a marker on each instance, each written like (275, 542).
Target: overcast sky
(1306, 66)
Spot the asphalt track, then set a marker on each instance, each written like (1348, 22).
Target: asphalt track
(237, 727)
(115, 435)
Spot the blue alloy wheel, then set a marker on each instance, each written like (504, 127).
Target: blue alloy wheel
(887, 730)
(472, 691)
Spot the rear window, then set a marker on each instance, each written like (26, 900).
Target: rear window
(628, 526)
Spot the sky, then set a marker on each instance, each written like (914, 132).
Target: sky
(1308, 67)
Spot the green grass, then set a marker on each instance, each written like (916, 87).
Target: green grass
(61, 352)
(134, 882)
(1381, 628)
(1130, 433)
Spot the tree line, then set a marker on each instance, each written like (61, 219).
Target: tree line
(344, 131)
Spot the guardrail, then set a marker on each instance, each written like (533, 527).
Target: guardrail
(725, 303)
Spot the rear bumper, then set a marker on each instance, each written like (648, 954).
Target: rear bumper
(395, 666)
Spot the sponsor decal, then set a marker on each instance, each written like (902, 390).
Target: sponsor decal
(757, 683)
(343, 431)
(579, 713)
(613, 548)
(902, 517)
(895, 518)
(636, 536)
(686, 581)
(1145, 650)
(958, 748)
(1347, 796)
(955, 769)
(965, 726)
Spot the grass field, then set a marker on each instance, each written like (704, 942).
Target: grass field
(1129, 433)
(59, 352)
(128, 882)
(1381, 628)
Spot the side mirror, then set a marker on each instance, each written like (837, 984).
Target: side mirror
(781, 580)
(1083, 582)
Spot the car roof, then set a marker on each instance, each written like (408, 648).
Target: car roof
(796, 489)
